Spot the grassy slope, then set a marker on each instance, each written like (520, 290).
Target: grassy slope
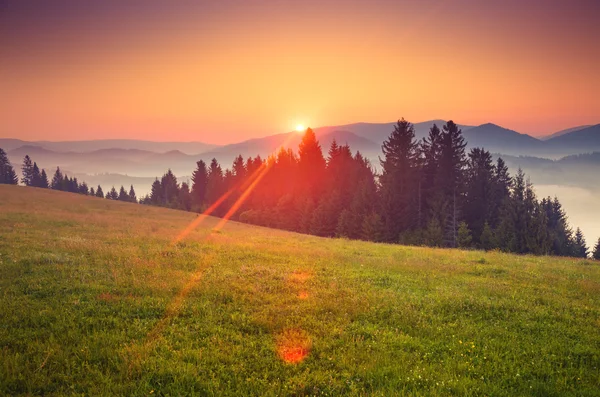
(95, 300)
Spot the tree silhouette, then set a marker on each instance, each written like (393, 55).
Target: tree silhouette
(7, 173)
(99, 192)
(57, 180)
(199, 185)
(27, 171)
(132, 196)
(398, 180)
(596, 253)
(123, 196)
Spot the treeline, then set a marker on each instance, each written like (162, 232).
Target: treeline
(430, 192)
(32, 176)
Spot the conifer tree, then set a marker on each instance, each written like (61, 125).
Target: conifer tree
(132, 196)
(156, 194)
(199, 185)
(487, 240)
(398, 198)
(215, 184)
(36, 177)
(83, 188)
(185, 197)
(57, 180)
(464, 235)
(480, 190)
(99, 192)
(92, 192)
(446, 202)
(311, 165)
(7, 173)
(27, 171)
(123, 196)
(112, 195)
(596, 253)
(580, 247)
(170, 189)
(44, 180)
(372, 228)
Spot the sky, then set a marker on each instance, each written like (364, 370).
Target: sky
(228, 70)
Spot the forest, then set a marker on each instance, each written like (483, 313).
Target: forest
(430, 192)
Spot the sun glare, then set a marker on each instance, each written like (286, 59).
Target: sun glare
(300, 128)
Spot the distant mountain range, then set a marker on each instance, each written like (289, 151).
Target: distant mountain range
(139, 158)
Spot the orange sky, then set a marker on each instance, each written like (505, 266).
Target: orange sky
(233, 70)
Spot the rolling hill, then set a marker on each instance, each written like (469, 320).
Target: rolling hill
(109, 298)
(579, 141)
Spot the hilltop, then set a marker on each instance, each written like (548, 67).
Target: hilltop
(98, 299)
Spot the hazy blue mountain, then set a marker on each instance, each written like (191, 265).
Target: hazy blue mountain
(498, 139)
(579, 141)
(563, 132)
(90, 146)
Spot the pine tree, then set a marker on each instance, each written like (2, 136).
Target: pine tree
(36, 177)
(487, 239)
(112, 195)
(170, 189)
(123, 196)
(99, 192)
(199, 185)
(44, 180)
(156, 194)
(185, 197)
(132, 196)
(7, 173)
(596, 253)
(480, 190)
(325, 218)
(27, 171)
(434, 234)
(215, 186)
(372, 228)
(398, 198)
(92, 192)
(311, 166)
(464, 235)
(57, 180)
(580, 247)
(83, 188)
(449, 181)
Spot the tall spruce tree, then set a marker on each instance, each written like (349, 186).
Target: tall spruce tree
(215, 185)
(27, 171)
(199, 185)
(311, 166)
(185, 197)
(44, 180)
(57, 180)
(170, 189)
(123, 196)
(156, 193)
(580, 248)
(480, 190)
(450, 181)
(36, 177)
(112, 195)
(398, 181)
(92, 192)
(596, 253)
(132, 196)
(8, 175)
(99, 192)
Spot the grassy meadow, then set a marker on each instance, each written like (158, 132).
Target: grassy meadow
(96, 299)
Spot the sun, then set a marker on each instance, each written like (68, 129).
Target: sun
(300, 128)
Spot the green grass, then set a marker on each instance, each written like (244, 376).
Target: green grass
(95, 300)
